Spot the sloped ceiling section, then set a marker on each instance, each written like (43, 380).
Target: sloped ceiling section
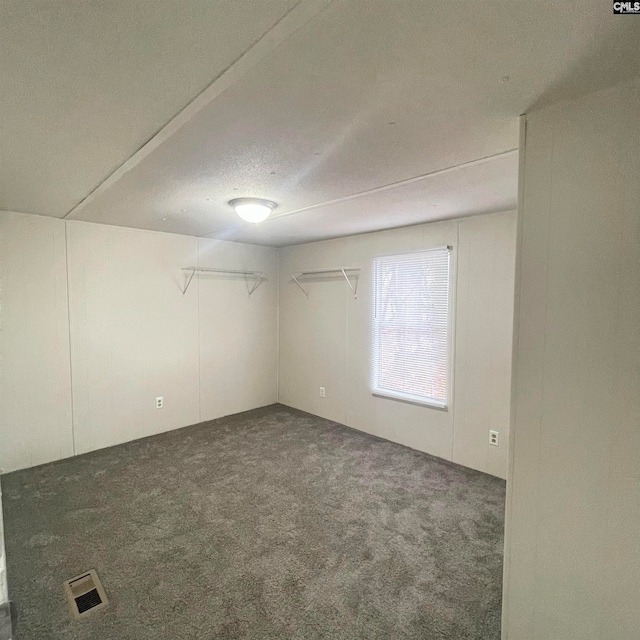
(86, 84)
(353, 115)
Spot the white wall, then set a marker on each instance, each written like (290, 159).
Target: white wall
(35, 381)
(484, 341)
(573, 517)
(238, 333)
(124, 334)
(325, 340)
(134, 336)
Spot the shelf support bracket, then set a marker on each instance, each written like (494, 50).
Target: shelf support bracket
(193, 273)
(299, 285)
(256, 284)
(354, 289)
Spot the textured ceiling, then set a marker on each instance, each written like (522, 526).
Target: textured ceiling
(474, 188)
(352, 115)
(85, 84)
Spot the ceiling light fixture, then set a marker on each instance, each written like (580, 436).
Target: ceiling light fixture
(253, 209)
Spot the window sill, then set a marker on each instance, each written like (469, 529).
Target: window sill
(423, 402)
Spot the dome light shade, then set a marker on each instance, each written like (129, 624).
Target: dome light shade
(253, 209)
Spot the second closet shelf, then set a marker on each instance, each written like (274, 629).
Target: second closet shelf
(258, 276)
(354, 271)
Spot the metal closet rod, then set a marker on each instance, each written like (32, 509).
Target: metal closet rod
(342, 270)
(259, 276)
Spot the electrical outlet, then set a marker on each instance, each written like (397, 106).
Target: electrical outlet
(322, 393)
(494, 438)
(160, 402)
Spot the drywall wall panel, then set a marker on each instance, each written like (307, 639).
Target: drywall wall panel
(134, 335)
(484, 335)
(312, 333)
(573, 517)
(325, 339)
(237, 331)
(35, 381)
(125, 334)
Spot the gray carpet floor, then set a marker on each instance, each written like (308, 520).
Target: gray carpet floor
(269, 524)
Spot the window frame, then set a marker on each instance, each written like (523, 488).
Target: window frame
(409, 398)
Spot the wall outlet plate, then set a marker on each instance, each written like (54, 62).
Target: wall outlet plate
(494, 438)
(322, 392)
(160, 402)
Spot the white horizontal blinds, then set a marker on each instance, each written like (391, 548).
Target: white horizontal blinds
(411, 326)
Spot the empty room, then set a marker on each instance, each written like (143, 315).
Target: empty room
(319, 319)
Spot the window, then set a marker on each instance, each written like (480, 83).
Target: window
(411, 327)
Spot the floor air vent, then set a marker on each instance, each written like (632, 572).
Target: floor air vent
(85, 594)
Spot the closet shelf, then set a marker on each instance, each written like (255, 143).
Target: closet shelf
(258, 276)
(353, 271)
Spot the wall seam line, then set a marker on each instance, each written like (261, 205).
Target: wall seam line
(535, 615)
(347, 292)
(455, 328)
(66, 262)
(198, 332)
(515, 344)
(278, 324)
